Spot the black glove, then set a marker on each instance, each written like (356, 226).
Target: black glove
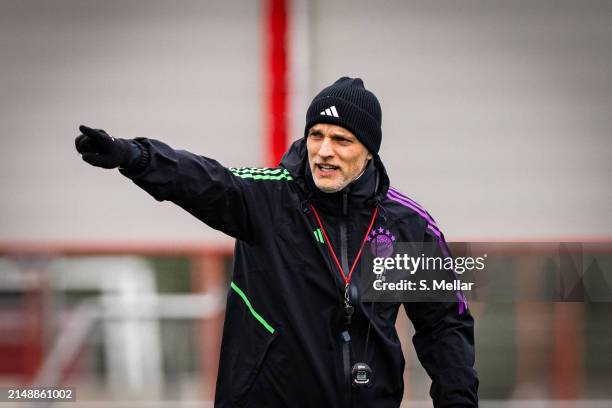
(100, 149)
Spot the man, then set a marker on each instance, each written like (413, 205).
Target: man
(296, 332)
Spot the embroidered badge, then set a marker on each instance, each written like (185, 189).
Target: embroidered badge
(381, 242)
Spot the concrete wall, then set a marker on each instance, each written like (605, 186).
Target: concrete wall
(185, 72)
(496, 114)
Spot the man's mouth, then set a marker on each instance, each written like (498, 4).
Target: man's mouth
(326, 169)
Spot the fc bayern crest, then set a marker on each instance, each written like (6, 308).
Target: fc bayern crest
(381, 242)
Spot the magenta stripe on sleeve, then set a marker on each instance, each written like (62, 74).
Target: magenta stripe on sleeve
(405, 201)
(405, 197)
(421, 212)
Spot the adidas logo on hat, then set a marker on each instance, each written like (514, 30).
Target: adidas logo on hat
(331, 111)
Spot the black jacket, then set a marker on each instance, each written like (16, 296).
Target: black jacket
(281, 342)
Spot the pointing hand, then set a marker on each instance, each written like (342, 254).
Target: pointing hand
(100, 149)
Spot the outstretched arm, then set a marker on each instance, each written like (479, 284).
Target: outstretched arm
(198, 184)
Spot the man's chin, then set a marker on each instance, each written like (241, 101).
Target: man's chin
(328, 188)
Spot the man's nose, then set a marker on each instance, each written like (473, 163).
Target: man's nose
(326, 150)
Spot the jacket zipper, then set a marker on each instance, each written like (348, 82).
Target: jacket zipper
(346, 358)
(343, 233)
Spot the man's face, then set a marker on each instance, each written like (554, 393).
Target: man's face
(336, 157)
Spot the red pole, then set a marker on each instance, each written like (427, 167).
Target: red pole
(275, 126)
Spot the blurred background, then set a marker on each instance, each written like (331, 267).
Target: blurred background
(497, 117)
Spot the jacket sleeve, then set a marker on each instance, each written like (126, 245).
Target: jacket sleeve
(444, 343)
(201, 186)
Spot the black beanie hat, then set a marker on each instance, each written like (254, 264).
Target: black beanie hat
(348, 104)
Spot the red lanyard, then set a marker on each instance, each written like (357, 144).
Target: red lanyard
(347, 279)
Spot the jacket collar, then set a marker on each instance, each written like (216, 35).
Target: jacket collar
(366, 191)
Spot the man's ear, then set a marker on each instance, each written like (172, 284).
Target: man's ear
(369, 156)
